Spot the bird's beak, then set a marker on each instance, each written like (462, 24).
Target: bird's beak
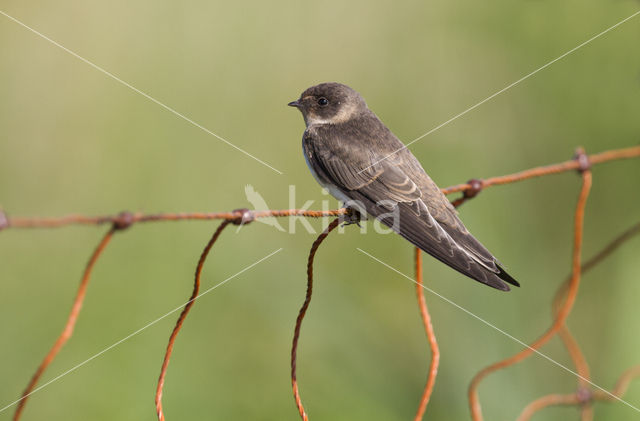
(295, 103)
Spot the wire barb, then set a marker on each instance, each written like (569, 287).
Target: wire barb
(583, 160)
(246, 217)
(123, 221)
(4, 221)
(303, 311)
(183, 316)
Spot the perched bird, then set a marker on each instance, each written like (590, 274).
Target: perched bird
(358, 159)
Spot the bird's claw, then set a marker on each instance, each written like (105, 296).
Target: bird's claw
(352, 217)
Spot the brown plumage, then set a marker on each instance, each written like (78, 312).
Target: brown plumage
(357, 158)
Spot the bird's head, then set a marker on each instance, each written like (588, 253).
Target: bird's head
(329, 103)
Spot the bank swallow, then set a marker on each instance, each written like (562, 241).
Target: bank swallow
(359, 160)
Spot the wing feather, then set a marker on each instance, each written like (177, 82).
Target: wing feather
(424, 215)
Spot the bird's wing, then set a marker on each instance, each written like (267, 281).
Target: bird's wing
(392, 184)
(404, 198)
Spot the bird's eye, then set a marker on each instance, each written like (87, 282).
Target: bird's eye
(323, 101)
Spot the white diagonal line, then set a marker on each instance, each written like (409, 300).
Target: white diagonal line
(500, 330)
(504, 89)
(137, 331)
(133, 88)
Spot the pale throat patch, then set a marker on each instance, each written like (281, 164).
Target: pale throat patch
(345, 113)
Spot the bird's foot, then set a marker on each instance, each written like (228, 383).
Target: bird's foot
(352, 216)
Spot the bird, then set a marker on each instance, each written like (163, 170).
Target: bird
(353, 155)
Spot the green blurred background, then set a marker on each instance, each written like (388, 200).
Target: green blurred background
(74, 140)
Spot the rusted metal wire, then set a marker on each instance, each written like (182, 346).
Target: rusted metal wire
(581, 396)
(183, 316)
(582, 368)
(67, 331)
(546, 401)
(431, 336)
(133, 218)
(563, 312)
(571, 165)
(566, 297)
(470, 189)
(621, 385)
(476, 187)
(301, 314)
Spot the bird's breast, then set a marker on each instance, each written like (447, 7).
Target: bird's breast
(331, 188)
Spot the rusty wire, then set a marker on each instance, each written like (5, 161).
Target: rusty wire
(183, 316)
(469, 190)
(580, 162)
(579, 360)
(577, 163)
(431, 336)
(426, 321)
(132, 218)
(67, 331)
(562, 304)
(584, 396)
(581, 396)
(303, 311)
(563, 312)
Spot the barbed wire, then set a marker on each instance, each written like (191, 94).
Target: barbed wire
(566, 294)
